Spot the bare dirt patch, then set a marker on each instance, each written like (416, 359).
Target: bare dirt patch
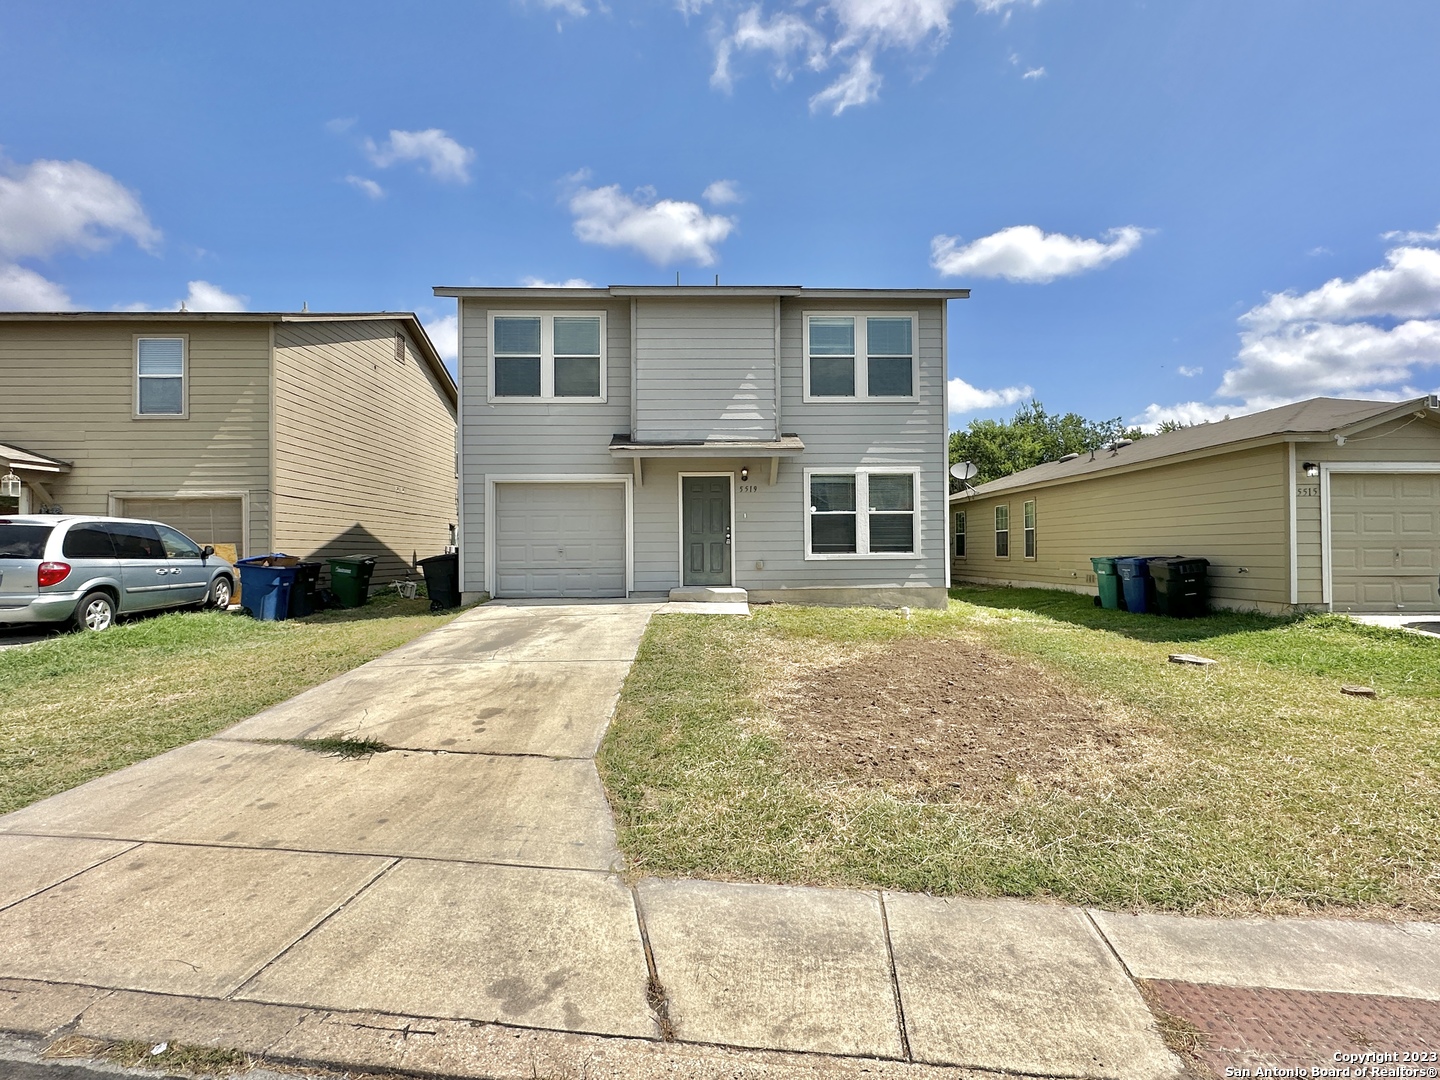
(946, 719)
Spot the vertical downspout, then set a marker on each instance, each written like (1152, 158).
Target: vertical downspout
(273, 496)
(634, 371)
(1294, 545)
(460, 541)
(779, 424)
(945, 432)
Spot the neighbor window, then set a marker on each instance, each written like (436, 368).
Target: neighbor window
(859, 357)
(959, 534)
(548, 356)
(861, 512)
(1002, 532)
(160, 376)
(1029, 509)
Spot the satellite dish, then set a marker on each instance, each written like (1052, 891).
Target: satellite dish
(964, 470)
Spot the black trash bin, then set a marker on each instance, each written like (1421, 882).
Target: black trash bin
(442, 580)
(302, 592)
(1181, 587)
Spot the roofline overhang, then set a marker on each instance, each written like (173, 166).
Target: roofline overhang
(676, 292)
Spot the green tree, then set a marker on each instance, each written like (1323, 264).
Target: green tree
(1032, 436)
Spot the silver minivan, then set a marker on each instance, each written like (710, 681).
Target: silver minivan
(88, 571)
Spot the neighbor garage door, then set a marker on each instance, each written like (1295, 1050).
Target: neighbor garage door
(218, 522)
(560, 540)
(1385, 541)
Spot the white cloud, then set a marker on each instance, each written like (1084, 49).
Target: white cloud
(1034, 73)
(1190, 372)
(691, 7)
(1026, 254)
(1374, 337)
(1413, 237)
(340, 125)
(444, 333)
(365, 184)
(445, 158)
(25, 290)
(568, 283)
(722, 193)
(846, 34)
(49, 205)
(665, 231)
(204, 296)
(1407, 287)
(1188, 413)
(964, 398)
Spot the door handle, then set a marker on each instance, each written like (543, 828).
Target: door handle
(163, 570)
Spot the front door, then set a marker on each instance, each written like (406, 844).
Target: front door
(705, 529)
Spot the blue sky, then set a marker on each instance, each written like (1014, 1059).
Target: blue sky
(1164, 209)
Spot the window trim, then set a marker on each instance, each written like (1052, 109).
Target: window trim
(1029, 521)
(862, 476)
(135, 376)
(547, 356)
(958, 536)
(1005, 532)
(862, 367)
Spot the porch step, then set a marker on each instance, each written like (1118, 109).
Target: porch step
(705, 594)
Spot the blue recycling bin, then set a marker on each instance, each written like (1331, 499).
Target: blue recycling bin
(1135, 582)
(266, 582)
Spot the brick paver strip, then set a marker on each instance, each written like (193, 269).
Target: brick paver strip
(1254, 1028)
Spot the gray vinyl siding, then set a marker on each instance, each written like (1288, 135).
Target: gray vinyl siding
(69, 392)
(526, 439)
(704, 370)
(533, 438)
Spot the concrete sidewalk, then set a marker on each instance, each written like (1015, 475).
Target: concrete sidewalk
(455, 906)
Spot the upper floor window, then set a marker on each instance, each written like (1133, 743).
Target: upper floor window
(160, 376)
(860, 512)
(548, 356)
(859, 357)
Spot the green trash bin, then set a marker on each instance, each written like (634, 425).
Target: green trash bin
(350, 579)
(1107, 580)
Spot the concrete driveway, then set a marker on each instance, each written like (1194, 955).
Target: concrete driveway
(248, 891)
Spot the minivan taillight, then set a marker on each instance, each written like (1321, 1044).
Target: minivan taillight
(52, 573)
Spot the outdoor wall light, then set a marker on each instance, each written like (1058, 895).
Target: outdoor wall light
(1312, 469)
(10, 486)
(744, 473)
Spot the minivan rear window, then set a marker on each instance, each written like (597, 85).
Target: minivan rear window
(24, 541)
(89, 542)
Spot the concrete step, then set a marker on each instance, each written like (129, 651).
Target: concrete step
(710, 594)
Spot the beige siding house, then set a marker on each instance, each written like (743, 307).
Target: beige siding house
(314, 434)
(1326, 504)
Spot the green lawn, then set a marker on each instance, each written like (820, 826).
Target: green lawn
(76, 706)
(1266, 790)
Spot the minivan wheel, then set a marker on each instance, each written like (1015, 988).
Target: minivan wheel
(96, 611)
(221, 593)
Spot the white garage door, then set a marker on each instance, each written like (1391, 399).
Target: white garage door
(218, 522)
(560, 540)
(1385, 541)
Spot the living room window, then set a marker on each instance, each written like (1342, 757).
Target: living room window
(160, 374)
(860, 357)
(547, 356)
(1002, 531)
(959, 534)
(1029, 512)
(869, 513)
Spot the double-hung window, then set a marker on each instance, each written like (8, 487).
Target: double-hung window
(548, 356)
(1002, 531)
(1029, 512)
(160, 377)
(861, 512)
(959, 534)
(860, 357)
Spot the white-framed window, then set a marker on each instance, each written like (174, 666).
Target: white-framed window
(862, 513)
(860, 356)
(959, 534)
(1028, 510)
(160, 377)
(1002, 531)
(547, 356)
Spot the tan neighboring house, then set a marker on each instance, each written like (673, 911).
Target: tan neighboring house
(1326, 504)
(313, 434)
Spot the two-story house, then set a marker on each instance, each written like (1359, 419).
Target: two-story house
(314, 434)
(784, 441)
